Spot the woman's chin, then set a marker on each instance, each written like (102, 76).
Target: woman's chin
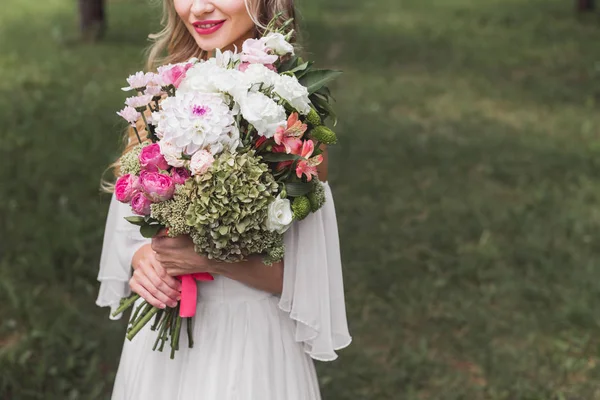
(211, 45)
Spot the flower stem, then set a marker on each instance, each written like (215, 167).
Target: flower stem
(142, 323)
(146, 123)
(177, 332)
(137, 134)
(137, 312)
(190, 332)
(161, 328)
(165, 330)
(128, 303)
(144, 311)
(159, 314)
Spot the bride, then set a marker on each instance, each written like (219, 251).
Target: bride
(257, 328)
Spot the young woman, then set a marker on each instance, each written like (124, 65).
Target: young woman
(257, 328)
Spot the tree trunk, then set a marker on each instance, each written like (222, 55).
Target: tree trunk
(585, 5)
(92, 19)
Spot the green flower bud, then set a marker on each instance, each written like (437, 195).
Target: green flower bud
(301, 207)
(317, 197)
(313, 118)
(323, 134)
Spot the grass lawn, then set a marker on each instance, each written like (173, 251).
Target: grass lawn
(467, 186)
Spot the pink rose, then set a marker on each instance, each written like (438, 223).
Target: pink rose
(255, 51)
(140, 204)
(180, 175)
(157, 187)
(151, 159)
(173, 74)
(201, 162)
(125, 187)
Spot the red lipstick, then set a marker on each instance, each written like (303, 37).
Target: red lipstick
(207, 27)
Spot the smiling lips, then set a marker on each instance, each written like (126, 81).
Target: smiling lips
(208, 27)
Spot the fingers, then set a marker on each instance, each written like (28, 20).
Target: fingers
(163, 282)
(139, 289)
(146, 277)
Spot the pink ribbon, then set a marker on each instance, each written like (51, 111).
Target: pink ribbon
(189, 292)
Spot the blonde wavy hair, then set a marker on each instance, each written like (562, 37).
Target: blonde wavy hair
(174, 44)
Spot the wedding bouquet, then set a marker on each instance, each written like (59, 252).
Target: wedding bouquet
(235, 141)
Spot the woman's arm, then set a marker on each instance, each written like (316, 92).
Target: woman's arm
(254, 273)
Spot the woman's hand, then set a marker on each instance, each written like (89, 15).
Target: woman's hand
(151, 281)
(178, 257)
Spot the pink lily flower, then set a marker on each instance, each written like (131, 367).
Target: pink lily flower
(290, 135)
(308, 166)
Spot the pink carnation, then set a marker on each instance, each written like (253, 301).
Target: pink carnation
(140, 204)
(157, 187)
(151, 159)
(130, 115)
(173, 74)
(125, 187)
(180, 175)
(254, 51)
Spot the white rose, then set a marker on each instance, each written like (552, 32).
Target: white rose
(279, 215)
(289, 89)
(171, 153)
(277, 43)
(263, 113)
(201, 162)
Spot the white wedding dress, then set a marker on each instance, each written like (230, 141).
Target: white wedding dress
(248, 344)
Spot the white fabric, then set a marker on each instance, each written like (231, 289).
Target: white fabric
(248, 344)
(121, 240)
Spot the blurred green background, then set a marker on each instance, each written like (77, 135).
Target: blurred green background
(466, 185)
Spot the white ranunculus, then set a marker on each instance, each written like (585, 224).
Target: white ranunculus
(201, 162)
(279, 215)
(171, 153)
(263, 113)
(289, 89)
(277, 43)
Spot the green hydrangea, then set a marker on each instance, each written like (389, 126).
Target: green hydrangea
(274, 254)
(228, 205)
(172, 213)
(323, 134)
(301, 207)
(130, 163)
(317, 196)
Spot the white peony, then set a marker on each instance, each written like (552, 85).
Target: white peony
(289, 89)
(171, 153)
(263, 113)
(279, 215)
(209, 77)
(277, 43)
(201, 162)
(194, 121)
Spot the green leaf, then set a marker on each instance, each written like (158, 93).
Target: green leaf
(136, 220)
(295, 189)
(302, 69)
(324, 107)
(148, 231)
(316, 79)
(289, 64)
(277, 157)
